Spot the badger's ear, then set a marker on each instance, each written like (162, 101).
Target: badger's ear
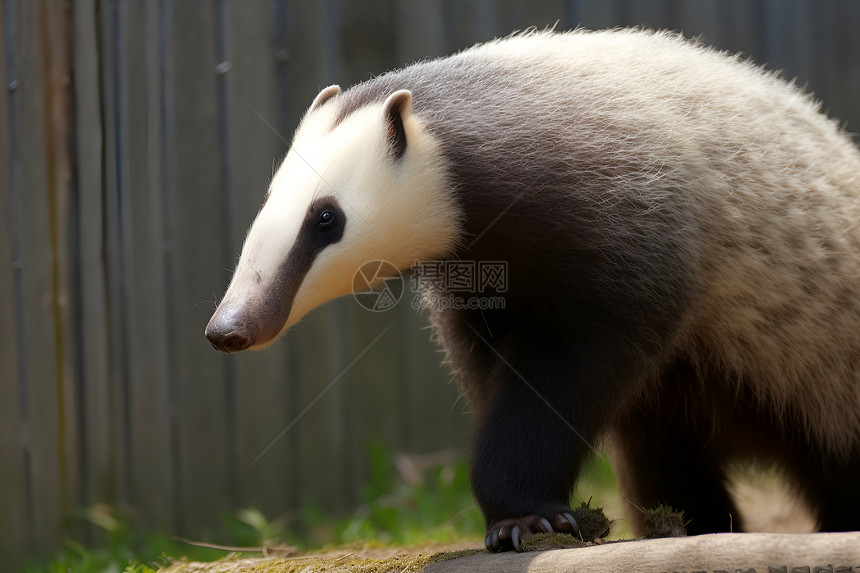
(395, 109)
(324, 96)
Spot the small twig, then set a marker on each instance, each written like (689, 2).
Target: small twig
(221, 547)
(634, 505)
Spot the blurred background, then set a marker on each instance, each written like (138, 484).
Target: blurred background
(137, 140)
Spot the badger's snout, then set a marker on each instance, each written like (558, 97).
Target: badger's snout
(227, 334)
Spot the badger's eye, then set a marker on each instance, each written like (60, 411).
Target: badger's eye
(326, 218)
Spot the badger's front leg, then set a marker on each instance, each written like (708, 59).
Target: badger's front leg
(532, 436)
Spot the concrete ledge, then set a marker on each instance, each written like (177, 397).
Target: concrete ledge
(725, 552)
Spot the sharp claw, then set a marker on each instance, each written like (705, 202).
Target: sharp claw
(515, 538)
(495, 539)
(546, 525)
(572, 521)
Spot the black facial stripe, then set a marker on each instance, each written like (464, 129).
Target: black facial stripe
(313, 235)
(311, 240)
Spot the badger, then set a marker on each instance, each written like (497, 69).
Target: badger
(681, 231)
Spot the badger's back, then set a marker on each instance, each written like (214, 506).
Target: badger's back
(718, 189)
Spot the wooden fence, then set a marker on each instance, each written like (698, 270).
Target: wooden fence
(137, 141)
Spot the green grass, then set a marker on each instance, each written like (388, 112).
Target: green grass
(439, 507)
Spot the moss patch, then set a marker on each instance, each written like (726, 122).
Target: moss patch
(592, 521)
(664, 521)
(545, 541)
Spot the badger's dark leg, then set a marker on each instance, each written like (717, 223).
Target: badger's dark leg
(667, 464)
(827, 480)
(832, 485)
(535, 427)
(670, 450)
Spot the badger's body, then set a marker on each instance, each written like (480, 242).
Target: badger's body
(682, 235)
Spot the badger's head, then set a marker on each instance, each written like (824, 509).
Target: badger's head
(367, 186)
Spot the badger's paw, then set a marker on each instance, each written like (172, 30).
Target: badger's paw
(509, 533)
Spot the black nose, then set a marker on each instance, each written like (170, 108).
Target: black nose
(230, 341)
(227, 337)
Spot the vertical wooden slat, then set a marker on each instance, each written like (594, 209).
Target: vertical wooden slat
(841, 84)
(112, 28)
(150, 473)
(467, 23)
(599, 14)
(197, 205)
(165, 158)
(56, 38)
(436, 414)
(375, 384)
(787, 39)
(701, 20)
(741, 27)
(367, 40)
(94, 405)
(653, 14)
(15, 497)
(263, 379)
(420, 28)
(31, 224)
(226, 164)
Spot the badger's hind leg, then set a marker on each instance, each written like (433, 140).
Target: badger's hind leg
(828, 481)
(665, 451)
(667, 467)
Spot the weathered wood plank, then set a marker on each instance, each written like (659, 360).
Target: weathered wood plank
(841, 86)
(741, 27)
(14, 493)
(262, 379)
(437, 415)
(95, 407)
(788, 38)
(203, 379)
(56, 30)
(421, 31)
(599, 14)
(658, 14)
(701, 20)
(41, 384)
(112, 27)
(151, 486)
